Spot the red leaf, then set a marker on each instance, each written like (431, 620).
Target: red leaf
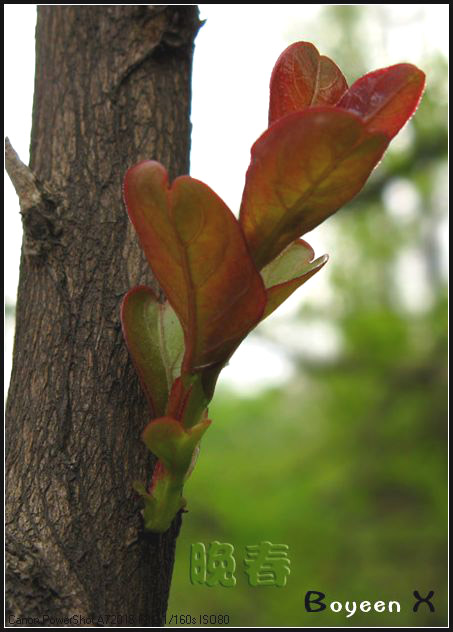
(303, 78)
(385, 99)
(303, 169)
(198, 254)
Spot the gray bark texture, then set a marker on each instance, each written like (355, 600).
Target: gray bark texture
(112, 88)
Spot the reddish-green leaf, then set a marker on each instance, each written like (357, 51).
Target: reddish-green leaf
(171, 341)
(385, 99)
(155, 341)
(140, 321)
(303, 169)
(288, 271)
(198, 254)
(303, 78)
(177, 449)
(189, 397)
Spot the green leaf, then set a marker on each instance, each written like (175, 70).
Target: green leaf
(177, 449)
(155, 341)
(140, 314)
(288, 271)
(173, 444)
(303, 169)
(163, 500)
(171, 342)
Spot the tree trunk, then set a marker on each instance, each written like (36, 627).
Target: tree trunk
(112, 88)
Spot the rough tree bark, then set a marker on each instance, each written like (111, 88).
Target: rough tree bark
(112, 88)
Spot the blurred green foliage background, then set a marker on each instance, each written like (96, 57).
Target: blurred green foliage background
(346, 462)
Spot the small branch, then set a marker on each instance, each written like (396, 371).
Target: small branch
(23, 180)
(38, 205)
